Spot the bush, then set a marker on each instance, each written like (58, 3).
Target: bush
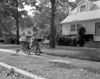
(81, 41)
(11, 40)
(74, 42)
(81, 36)
(68, 41)
(1, 41)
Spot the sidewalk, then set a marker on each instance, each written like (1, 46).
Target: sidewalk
(69, 52)
(52, 67)
(73, 61)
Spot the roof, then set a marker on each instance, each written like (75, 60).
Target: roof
(82, 16)
(97, 3)
(95, 14)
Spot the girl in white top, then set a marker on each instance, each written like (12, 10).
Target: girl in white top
(23, 38)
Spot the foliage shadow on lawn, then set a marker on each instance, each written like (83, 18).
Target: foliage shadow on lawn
(92, 70)
(14, 55)
(63, 65)
(89, 54)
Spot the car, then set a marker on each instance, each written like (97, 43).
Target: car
(46, 42)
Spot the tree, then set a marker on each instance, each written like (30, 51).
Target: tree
(26, 22)
(10, 8)
(58, 10)
(81, 36)
(52, 28)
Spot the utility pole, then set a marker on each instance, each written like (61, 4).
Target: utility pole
(52, 27)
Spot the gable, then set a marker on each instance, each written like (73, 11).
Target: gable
(83, 6)
(82, 2)
(90, 6)
(84, 16)
(92, 12)
(96, 5)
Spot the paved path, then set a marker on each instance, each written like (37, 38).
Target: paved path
(66, 60)
(21, 71)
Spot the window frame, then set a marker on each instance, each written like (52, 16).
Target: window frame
(78, 26)
(29, 32)
(73, 27)
(82, 8)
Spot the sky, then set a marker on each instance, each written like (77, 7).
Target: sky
(72, 0)
(28, 8)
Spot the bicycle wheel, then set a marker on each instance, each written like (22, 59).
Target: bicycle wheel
(28, 52)
(37, 51)
(17, 50)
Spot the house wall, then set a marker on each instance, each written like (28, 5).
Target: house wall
(25, 30)
(89, 25)
(65, 29)
(88, 4)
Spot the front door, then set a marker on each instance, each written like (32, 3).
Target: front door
(97, 31)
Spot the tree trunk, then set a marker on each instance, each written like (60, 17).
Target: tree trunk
(52, 27)
(17, 31)
(17, 23)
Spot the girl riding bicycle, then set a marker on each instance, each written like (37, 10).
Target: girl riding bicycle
(23, 41)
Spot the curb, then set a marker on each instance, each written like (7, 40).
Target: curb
(16, 69)
(7, 50)
(21, 71)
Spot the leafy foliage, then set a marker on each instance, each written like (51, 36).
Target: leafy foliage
(81, 36)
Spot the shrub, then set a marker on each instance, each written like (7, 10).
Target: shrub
(11, 40)
(80, 41)
(1, 41)
(64, 40)
(74, 42)
(81, 36)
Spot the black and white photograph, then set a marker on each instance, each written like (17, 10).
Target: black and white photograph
(49, 39)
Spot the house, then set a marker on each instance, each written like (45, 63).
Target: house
(86, 14)
(27, 30)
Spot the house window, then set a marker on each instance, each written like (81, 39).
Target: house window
(97, 28)
(78, 26)
(72, 27)
(29, 32)
(82, 8)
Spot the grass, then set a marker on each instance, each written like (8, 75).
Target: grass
(77, 52)
(48, 69)
(71, 52)
(10, 74)
(63, 65)
(89, 54)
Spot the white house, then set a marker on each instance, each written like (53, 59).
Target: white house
(86, 14)
(27, 30)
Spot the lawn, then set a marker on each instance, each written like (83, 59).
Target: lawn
(71, 52)
(83, 53)
(9, 74)
(50, 70)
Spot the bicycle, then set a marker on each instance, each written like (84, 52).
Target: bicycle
(28, 49)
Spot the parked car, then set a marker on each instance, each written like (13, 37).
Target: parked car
(46, 42)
